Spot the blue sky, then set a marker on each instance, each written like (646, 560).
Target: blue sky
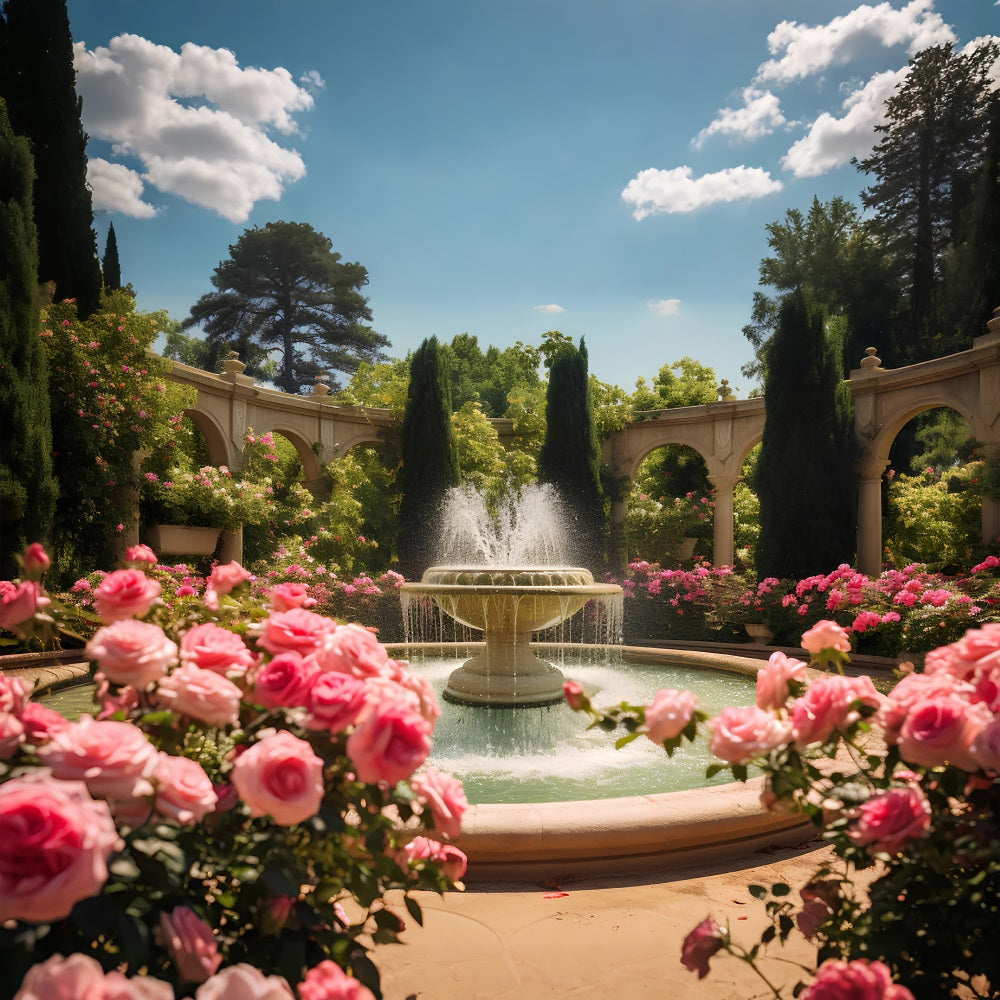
(601, 167)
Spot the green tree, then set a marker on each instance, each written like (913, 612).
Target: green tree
(428, 457)
(27, 485)
(925, 167)
(187, 348)
(804, 476)
(38, 82)
(110, 267)
(284, 289)
(570, 457)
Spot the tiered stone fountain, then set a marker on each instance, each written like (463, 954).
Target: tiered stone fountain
(507, 583)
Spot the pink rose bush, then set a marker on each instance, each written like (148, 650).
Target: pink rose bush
(901, 777)
(245, 770)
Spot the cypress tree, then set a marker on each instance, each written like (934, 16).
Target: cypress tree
(110, 267)
(27, 487)
(38, 81)
(570, 456)
(805, 471)
(429, 458)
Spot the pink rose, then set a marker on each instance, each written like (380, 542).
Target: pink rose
(942, 730)
(112, 758)
(124, 593)
(190, 943)
(294, 631)
(985, 747)
(328, 981)
(857, 980)
(132, 652)
(740, 733)
(280, 776)
(141, 554)
(40, 722)
(574, 694)
(284, 681)
(773, 680)
(11, 735)
(890, 819)
(828, 706)
(13, 692)
(184, 792)
(286, 596)
(390, 743)
(443, 794)
(200, 694)
(215, 648)
(811, 917)
(225, 578)
(826, 635)
(669, 714)
(17, 604)
(81, 977)
(36, 560)
(56, 843)
(700, 945)
(334, 701)
(352, 649)
(244, 982)
(977, 649)
(447, 857)
(415, 684)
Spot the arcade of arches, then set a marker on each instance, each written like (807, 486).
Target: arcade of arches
(722, 433)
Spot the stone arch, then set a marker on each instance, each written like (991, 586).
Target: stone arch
(312, 469)
(216, 441)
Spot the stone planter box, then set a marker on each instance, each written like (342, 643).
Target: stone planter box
(182, 539)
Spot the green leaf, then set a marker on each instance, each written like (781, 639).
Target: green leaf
(625, 740)
(757, 891)
(413, 908)
(780, 889)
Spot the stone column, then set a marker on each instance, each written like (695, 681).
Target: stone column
(617, 555)
(231, 548)
(723, 550)
(870, 515)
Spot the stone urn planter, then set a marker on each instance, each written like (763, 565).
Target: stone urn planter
(759, 632)
(182, 539)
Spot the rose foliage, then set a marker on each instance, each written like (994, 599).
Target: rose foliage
(904, 786)
(228, 819)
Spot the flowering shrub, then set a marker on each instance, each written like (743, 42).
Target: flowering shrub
(227, 821)
(904, 787)
(659, 524)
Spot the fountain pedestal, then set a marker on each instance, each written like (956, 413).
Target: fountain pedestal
(507, 604)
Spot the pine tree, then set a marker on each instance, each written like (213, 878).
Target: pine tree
(38, 81)
(570, 456)
(429, 457)
(110, 267)
(925, 164)
(805, 471)
(27, 487)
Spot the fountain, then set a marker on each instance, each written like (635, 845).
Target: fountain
(507, 583)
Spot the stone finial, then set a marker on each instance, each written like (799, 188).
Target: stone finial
(871, 361)
(993, 325)
(232, 365)
(320, 388)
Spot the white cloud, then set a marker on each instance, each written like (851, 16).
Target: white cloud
(197, 122)
(801, 50)
(117, 189)
(664, 307)
(832, 141)
(760, 115)
(552, 308)
(653, 191)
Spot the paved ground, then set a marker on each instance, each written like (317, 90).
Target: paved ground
(594, 939)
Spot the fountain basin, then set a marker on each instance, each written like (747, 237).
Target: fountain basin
(508, 604)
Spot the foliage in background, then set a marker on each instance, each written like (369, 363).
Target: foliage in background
(805, 476)
(27, 485)
(107, 398)
(38, 82)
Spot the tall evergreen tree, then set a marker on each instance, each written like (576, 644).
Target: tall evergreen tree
(110, 267)
(38, 82)
(925, 167)
(570, 456)
(805, 471)
(27, 486)
(429, 457)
